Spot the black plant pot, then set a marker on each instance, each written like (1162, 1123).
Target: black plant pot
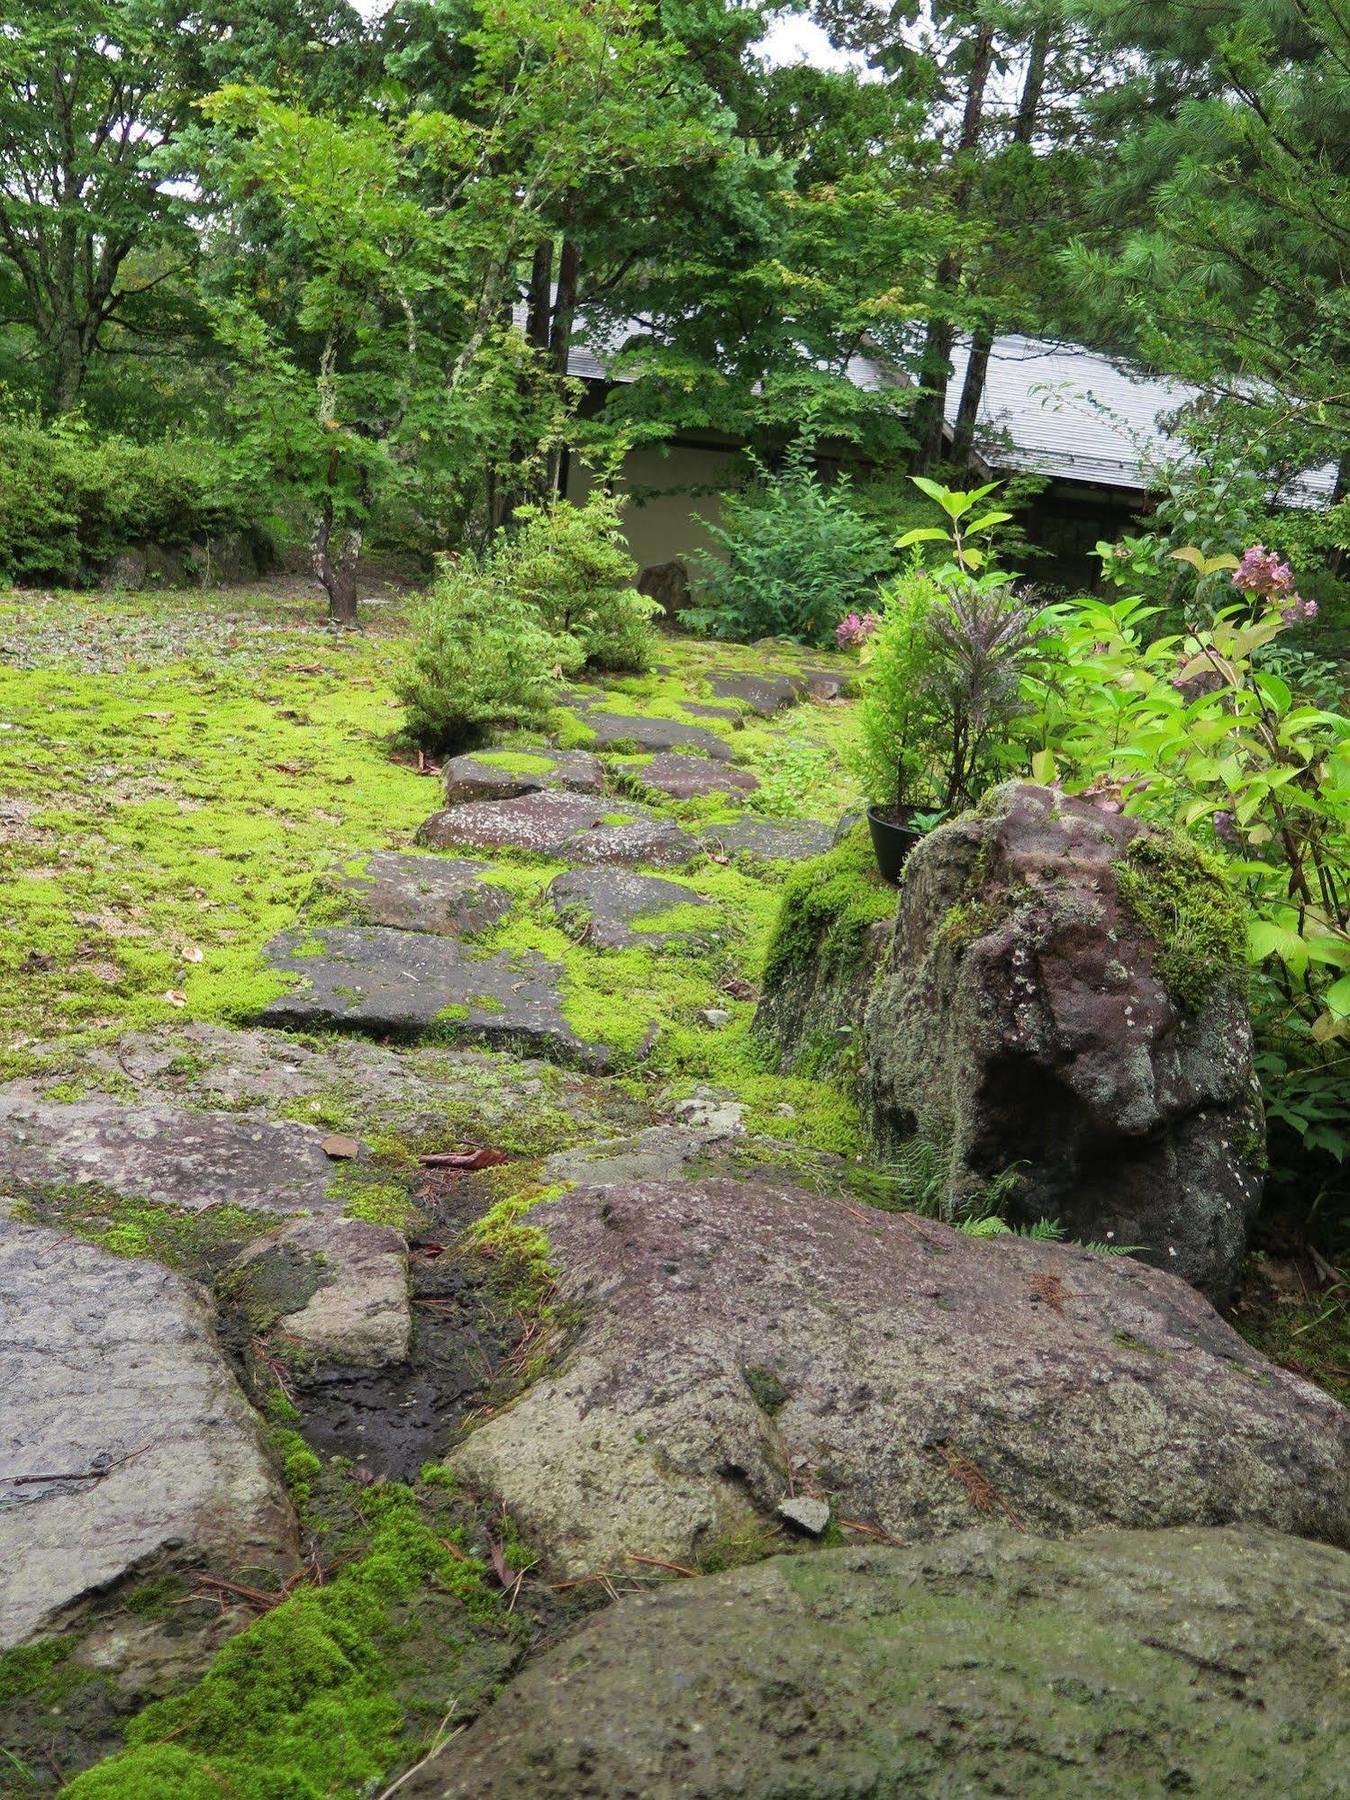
(893, 837)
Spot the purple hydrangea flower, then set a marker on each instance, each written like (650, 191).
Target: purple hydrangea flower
(855, 628)
(1225, 829)
(1262, 572)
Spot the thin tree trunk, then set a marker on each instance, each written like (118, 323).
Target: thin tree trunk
(935, 369)
(539, 313)
(333, 557)
(982, 343)
(560, 340)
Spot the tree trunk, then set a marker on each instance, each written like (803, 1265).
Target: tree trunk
(982, 343)
(333, 556)
(935, 369)
(560, 340)
(539, 313)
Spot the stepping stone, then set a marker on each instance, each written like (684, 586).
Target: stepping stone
(610, 901)
(406, 984)
(502, 774)
(763, 840)
(1140, 1664)
(763, 695)
(829, 684)
(443, 895)
(622, 731)
(725, 1318)
(337, 1287)
(167, 1155)
(690, 777)
(704, 709)
(567, 826)
(111, 1363)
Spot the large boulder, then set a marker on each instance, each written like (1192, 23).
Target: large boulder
(1122, 1663)
(739, 1340)
(127, 1446)
(1064, 1006)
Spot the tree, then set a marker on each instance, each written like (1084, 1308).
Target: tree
(88, 107)
(1238, 148)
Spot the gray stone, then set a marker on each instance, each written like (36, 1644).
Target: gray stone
(707, 709)
(337, 1289)
(807, 1514)
(566, 826)
(713, 1110)
(113, 1381)
(924, 1377)
(419, 1090)
(715, 1017)
(668, 584)
(168, 1155)
(607, 903)
(441, 894)
(830, 684)
(623, 731)
(766, 840)
(763, 695)
(1026, 1019)
(691, 777)
(406, 984)
(1137, 1664)
(480, 777)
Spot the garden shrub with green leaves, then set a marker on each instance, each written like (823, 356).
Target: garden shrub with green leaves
(796, 556)
(69, 504)
(549, 598)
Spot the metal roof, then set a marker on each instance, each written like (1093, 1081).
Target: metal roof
(1050, 408)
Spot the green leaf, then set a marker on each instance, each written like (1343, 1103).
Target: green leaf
(988, 521)
(921, 534)
(1043, 766)
(1338, 997)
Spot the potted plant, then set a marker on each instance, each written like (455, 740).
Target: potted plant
(943, 689)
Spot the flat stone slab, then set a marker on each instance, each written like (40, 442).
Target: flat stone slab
(623, 731)
(608, 902)
(763, 695)
(113, 1380)
(692, 777)
(405, 984)
(168, 1155)
(337, 1288)
(766, 840)
(920, 1377)
(443, 895)
(1141, 1663)
(503, 774)
(565, 826)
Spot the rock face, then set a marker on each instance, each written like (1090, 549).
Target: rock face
(1065, 998)
(567, 826)
(368, 978)
(607, 903)
(1135, 1663)
(337, 1287)
(166, 1155)
(625, 731)
(916, 1375)
(502, 775)
(113, 1381)
(443, 895)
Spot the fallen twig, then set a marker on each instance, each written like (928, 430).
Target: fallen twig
(94, 1474)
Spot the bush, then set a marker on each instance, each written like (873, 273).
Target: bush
(480, 659)
(70, 504)
(798, 557)
(570, 566)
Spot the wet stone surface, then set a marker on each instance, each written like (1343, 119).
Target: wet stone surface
(566, 826)
(691, 777)
(406, 984)
(761, 840)
(623, 731)
(602, 905)
(446, 896)
(494, 775)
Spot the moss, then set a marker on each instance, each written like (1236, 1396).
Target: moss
(508, 1234)
(517, 762)
(31, 1668)
(827, 907)
(769, 1394)
(305, 1703)
(1177, 894)
(366, 1193)
(173, 1235)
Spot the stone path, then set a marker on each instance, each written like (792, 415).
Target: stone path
(606, 904)
(566, 827)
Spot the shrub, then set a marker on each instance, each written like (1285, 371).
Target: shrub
(480, 659)
(570, 566)
(798, 557)
(69, 504)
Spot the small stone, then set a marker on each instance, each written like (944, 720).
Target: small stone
(341, 1148)
(716, 1017)
(805, 1513)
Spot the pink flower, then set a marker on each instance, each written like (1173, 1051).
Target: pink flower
(1262, 572)
(1297, 611)
(855, 628)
